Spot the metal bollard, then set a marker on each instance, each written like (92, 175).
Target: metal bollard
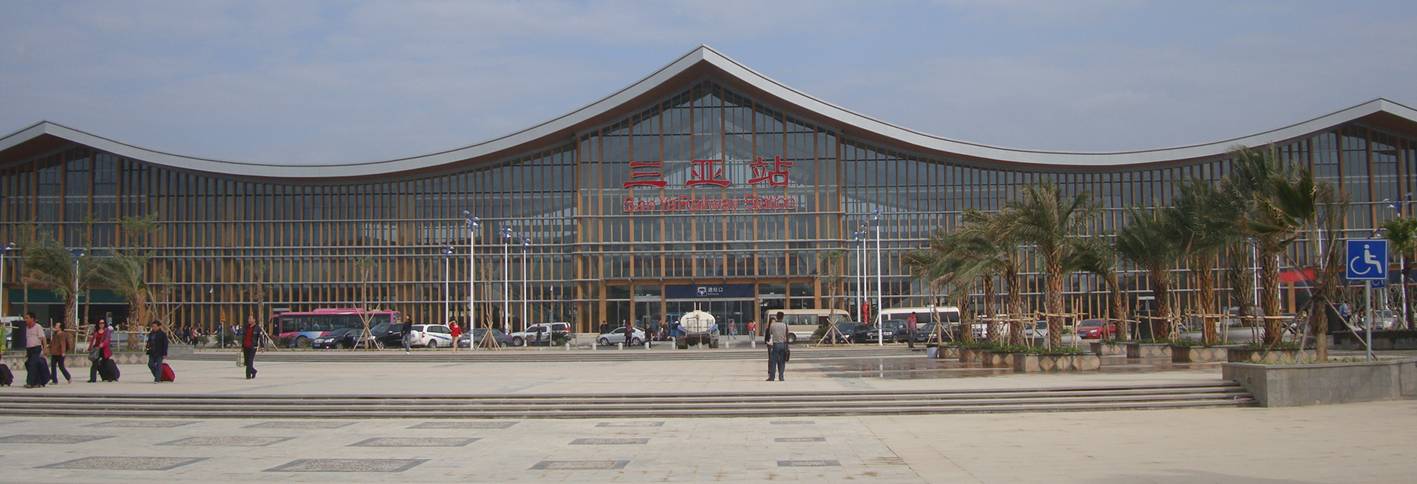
(620, 345)
(673, 343)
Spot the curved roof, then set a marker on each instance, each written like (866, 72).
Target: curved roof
(704, 55)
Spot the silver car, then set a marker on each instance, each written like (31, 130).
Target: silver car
(617, 335)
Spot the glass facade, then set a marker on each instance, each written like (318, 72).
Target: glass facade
(705, 198)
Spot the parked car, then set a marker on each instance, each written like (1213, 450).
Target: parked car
(617, 335)
(1095, 329)
(538, 333)
(1383, 320)
(924, 331)
(892, 330)
(465, 341)
(1037, 329)
(844, 330)
(432, 336)
(339, 338)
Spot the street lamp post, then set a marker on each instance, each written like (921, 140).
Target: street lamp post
(526, 311)
(472, 224)
(860, 249)
(448, 286)
(880, 333)
(506, 280)
(77, 253)
(3, 296)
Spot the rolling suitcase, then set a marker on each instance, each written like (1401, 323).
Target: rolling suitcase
(37, 372)
(108, 370)
(6, 377)
(167, 373)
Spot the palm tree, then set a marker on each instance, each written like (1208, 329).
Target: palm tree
(1279, 203)
(1203, 224)
(1329, 281)
(989, 241)
(126, 272)
(49, 265)
(1100, 258)
(1402, 233)
(1148, 242)
(1049, 221)
(945, 263)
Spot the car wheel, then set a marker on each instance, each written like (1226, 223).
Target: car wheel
(791, 338)
(432, 344)
(517, 341)
(603, 342)
(302, 342)
(636, 342)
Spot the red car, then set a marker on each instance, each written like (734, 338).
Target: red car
(1095, 329)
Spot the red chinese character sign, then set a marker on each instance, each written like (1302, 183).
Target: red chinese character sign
(775, 175)
(711, 173)
(646, 174)
(707, 173)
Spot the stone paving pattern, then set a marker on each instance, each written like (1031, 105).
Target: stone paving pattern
(1346, 443)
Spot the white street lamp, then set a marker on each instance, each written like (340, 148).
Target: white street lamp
(472, 224)
(77, 253)
(880, 333)
(526, 246)
(858, 246)
(3, 296)
(448, 286)
(506, 280)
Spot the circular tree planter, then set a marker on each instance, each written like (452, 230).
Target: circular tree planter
(991, 359)
(1267, 356)
(1108, 348)
(1198, 354)
(1148, 350)
(1032, 363)
(970, 355)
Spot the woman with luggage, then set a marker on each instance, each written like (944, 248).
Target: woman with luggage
(61, 342)
(100, 350)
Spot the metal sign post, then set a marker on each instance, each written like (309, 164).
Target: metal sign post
(1367, 261)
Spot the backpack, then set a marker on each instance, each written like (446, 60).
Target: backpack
(6, 377)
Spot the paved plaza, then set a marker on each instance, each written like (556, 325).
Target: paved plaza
(1348, 443)
(1342, 443)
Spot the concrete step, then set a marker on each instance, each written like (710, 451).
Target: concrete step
(639, 414)
(625, 406)
(552, 354)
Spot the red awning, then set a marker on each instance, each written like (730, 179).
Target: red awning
(1298, 275)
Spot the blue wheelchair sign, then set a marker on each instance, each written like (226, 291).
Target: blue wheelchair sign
(1367, 260)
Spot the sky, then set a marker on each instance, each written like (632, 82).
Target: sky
(294, 82)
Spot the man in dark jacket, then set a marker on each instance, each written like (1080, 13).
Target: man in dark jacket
(407, 331)
(157, 349)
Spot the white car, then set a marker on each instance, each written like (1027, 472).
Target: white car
(617, 335)
(537, 333)
(431, 336)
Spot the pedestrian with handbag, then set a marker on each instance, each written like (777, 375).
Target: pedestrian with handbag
(156, 349)
(100, 349)
(61, 342)
(776, 341)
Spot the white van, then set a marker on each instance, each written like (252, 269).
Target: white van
(802, 323)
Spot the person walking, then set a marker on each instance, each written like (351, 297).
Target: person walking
(61, 342)
(249, 342)
(776, 341)
(157, 349)
(101, 341)
(34, 353)
(407, 330)
(456, 332)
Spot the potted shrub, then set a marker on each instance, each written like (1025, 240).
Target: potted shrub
(1108, 348)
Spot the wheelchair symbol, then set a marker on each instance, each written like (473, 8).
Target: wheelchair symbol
(1362, 265)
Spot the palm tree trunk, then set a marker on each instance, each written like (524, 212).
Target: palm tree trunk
(1015, 308)
(1161, 290)
(1205, 285)
(1269, 295)
(1318, 322)
(966, 315)
(1119, 306)
(1055, 302)
(989, 307)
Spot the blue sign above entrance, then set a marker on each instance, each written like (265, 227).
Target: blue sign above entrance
(707, 291)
